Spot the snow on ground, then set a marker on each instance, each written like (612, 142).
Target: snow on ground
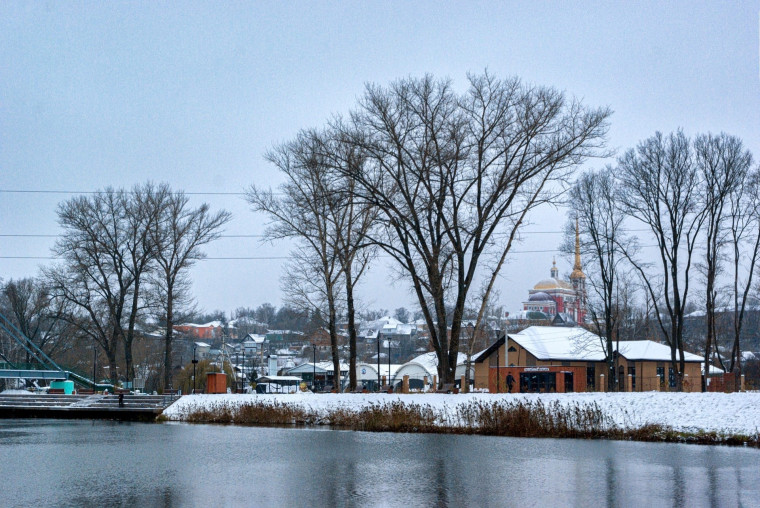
(734, 413)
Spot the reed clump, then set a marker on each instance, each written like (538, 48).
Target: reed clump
(519, 418)
(536, 419)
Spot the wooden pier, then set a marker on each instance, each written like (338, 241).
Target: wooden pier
(102, 407)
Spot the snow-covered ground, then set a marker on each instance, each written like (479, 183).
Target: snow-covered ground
(735, 413)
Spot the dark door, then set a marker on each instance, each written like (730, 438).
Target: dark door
(568, 382)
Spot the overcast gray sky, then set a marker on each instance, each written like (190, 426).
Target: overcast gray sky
(193, 93)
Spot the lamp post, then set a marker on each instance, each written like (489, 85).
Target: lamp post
(498, 374)
(195, 362)
(314, 368)
(378, 361)
(237, 361)
(389, 362)
(245, 378)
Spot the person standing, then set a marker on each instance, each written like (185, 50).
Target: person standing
(510, 382)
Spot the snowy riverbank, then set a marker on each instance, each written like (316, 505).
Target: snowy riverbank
(736, 413)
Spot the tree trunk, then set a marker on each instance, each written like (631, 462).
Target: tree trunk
(333, 329)
(130, 372)
(351, 332)
(168, 339)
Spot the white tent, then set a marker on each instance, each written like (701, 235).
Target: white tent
(426, 366)
(366, 373)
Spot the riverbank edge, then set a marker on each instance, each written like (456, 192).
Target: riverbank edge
(499, 418)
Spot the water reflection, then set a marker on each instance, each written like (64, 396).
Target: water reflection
(53, 463)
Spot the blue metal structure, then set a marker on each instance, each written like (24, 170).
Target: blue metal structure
(49, 369)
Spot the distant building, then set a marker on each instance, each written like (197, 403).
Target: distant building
(210, 331)
(554, 296)
(562, 359)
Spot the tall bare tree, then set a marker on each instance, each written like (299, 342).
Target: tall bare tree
(723, 163)
(352, 220)
(178, 232)
(316, 207)
(598, 223)
(140, 212)
(744, 205)
(455, 177)
(94, 278)
(661, 187)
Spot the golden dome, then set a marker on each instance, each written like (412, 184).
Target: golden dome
(552, 284)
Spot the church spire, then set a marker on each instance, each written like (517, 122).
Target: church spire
(577, 269)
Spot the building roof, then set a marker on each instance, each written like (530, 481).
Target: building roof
(552, 283)
(578, 344)
(370, 371)
(276, 379)
(254, 337)
(653, 351)
(320, 367)
(540, 297)
(560, 343)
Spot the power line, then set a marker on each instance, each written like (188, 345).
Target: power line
(39, 191)
(246, 258)
(29, 235)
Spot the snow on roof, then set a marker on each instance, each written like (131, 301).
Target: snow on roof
(269, 379)
(429, 361)
(202, 344)
(519, 315)
(210, 324)
(258, 339)
(368, 371)
(320, 367)
(649, 350)
(579, 344)
(560, 343)
(721, 310)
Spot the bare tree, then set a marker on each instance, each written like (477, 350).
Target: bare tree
(94, 279)
(723, 163)
(661, 187)
(140, 211)
(28, 304)
(317, 208)
(178, 232)
(744, 204)
(599, 229)
(455, 176)
(352, 220)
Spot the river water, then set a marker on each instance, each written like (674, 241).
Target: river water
(99, 463)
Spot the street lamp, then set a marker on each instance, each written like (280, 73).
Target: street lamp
(195, 362)
(314, 368)
(389, 361)
(378, 361)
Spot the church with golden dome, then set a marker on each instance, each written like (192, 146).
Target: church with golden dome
(555, 296)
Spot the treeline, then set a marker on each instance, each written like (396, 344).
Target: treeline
(695, 203)
(124, 257)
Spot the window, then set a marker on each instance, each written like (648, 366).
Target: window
(512, 349)
(632, 373)
(590, 376)
(671, 377)
(538, 382)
